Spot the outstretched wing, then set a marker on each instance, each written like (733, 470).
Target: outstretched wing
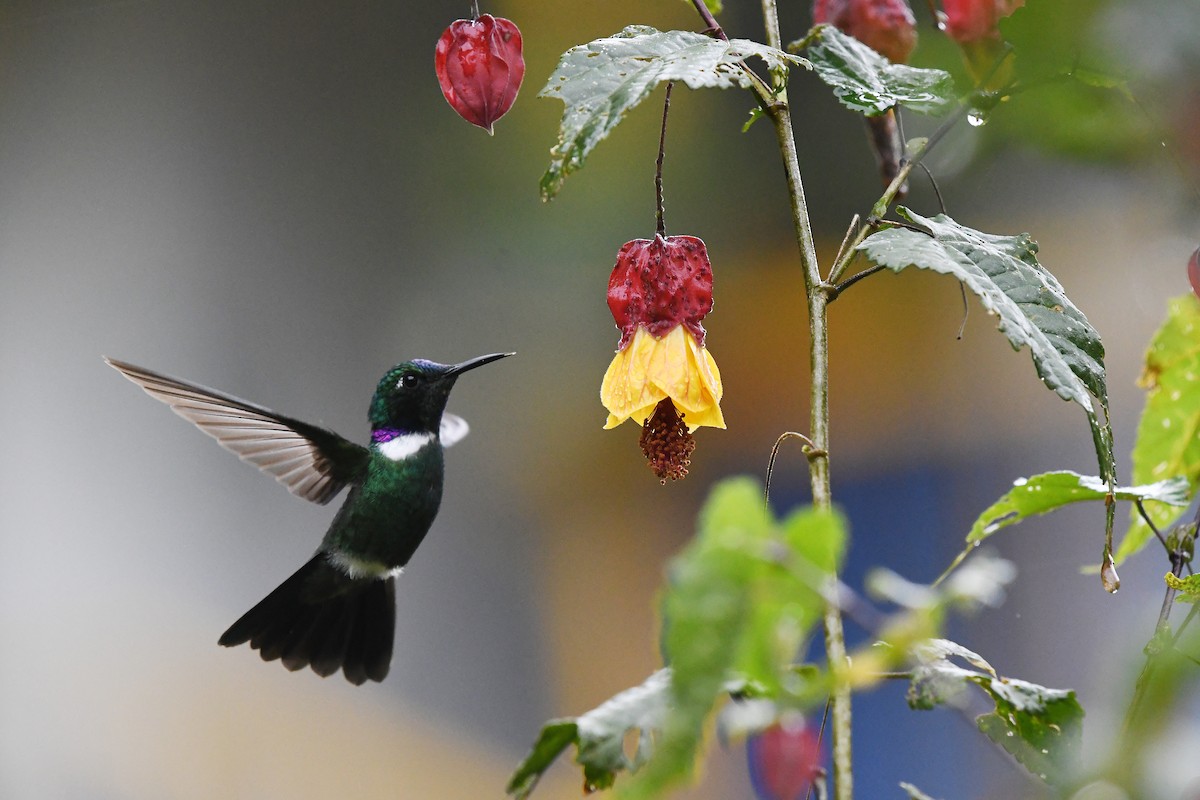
(311, 462)
(453, 430)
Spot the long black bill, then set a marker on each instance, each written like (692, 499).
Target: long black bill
(477, 362)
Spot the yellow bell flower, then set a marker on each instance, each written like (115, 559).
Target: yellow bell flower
(650, 369)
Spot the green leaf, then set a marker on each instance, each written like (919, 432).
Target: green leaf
(1188, 588)
(818, 536)
(601, 81)
(1168, 437)
(599, 737)
(1004, 272)
(740, 599)
(1074, 99)
(1042, 493)
(936, 680)
(1051, 39)
(1033, 309)
(707, 607)
(714, 6)
(784, 597)
(1040, 727)
(556, 735)
(866, 82)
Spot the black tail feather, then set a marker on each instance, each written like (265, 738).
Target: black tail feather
(369, 651)
(323, 618)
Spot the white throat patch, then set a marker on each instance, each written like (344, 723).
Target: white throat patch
(405, 445)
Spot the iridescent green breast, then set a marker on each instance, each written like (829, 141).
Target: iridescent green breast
(386, 516)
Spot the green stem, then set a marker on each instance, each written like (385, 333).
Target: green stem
(777, 110)
(889, 194)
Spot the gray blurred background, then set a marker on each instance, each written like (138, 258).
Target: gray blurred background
(273, 198)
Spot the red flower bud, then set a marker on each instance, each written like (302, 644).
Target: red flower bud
(480, 67)
(661, 283)
(970, 21)
(783, 760)
(1193, 271)
(885, 26)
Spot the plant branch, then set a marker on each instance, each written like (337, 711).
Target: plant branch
(774, 103)
(889, 194)
(713, 26)
(853, 279)
(775, 107)
(809, 448)
(1161, 641)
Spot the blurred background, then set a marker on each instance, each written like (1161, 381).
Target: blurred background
(272, 198)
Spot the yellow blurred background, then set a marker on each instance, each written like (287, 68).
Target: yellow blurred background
(273, 198)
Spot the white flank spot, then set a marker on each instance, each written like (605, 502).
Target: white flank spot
(453, 429)
(357, 568)
(404, 445)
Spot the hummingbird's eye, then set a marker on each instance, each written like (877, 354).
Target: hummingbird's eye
(410, 380)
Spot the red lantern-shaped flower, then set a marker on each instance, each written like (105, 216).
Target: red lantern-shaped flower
(886, 26)
(480, 67)
(783, 760)
(663, 377)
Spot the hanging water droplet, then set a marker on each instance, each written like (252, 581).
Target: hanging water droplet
(1108, 575)
(977, 118)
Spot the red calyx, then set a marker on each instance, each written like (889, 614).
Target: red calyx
(886, 26)
(970, 21)
(660, 283)
(480, 68)
(783, 760)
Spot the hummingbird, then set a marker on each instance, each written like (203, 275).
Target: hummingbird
(338, 611)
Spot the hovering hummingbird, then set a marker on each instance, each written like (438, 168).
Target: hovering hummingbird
(339, 609)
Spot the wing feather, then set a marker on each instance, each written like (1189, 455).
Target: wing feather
(312, 462)
(453, 429)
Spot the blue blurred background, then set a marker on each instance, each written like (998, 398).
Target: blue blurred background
(273, 198)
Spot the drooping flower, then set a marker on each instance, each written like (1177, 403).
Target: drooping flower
(480, 68)
(886, 26)
(662, 376)
(783, 760)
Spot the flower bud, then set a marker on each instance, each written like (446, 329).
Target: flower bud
(970, 21)
(975, 25)
(480, 67)
(783, 760)
(885, 26)
(1193, 271)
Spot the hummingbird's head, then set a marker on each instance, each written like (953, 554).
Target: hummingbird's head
(412, 396)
